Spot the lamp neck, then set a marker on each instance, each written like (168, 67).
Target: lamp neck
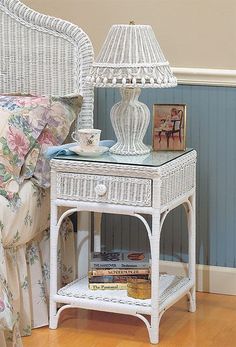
(130, 94)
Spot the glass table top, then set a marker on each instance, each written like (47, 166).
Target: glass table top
(151, 159)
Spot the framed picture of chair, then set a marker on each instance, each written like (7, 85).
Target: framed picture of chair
(169, 127)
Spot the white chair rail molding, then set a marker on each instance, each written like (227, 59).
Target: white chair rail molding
(201, 76)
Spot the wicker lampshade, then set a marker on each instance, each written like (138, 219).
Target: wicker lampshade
(129, 57)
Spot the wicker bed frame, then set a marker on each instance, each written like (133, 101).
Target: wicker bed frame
(44, 55)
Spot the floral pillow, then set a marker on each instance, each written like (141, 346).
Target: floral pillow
(21, 123)
(59, 118)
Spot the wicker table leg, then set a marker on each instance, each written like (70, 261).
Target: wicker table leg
(54, 230)
(191, 216)
(155, 254)
(97, 231)
(83, 243)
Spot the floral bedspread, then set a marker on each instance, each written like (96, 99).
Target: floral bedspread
(24, 262)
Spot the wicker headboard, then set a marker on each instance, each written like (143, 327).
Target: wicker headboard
(44, 55)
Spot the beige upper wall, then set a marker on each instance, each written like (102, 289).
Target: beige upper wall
(192, 33)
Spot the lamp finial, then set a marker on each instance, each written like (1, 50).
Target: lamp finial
(132, 22)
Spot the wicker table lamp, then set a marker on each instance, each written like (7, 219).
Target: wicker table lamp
(131, 58)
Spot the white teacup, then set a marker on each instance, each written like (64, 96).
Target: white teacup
(88, 139)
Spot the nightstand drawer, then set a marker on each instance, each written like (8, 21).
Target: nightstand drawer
(109, 189)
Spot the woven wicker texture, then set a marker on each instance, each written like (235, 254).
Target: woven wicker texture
(127, 189)
(41, 55)
(132, 56)
(177, 180)
(44, 55)
(169, 284)
(117, 190)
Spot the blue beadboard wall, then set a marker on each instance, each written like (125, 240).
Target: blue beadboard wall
(211, 130)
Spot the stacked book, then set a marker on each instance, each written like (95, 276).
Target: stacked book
(112, 270)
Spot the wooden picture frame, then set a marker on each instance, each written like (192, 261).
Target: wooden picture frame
(169, 127)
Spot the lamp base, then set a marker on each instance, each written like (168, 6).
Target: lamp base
(119, 149)
(130, 119)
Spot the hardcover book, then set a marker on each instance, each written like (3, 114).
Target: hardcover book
(120, 260)
(115, 279)
(107, 286)
(121, 272)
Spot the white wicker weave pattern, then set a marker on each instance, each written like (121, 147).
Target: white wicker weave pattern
(131, 56)
(44, 55)
(177, 179)
(117, 190)
(169, 284)
(113, 189)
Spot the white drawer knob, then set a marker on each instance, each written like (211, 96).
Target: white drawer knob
(100, 189)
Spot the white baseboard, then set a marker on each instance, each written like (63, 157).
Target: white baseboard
(216, 77)
(212, 279)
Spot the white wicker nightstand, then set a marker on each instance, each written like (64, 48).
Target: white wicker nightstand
(152, 184)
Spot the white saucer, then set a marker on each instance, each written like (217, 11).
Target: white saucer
(92, 153)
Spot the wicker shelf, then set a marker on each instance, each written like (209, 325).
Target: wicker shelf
(171, 287)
